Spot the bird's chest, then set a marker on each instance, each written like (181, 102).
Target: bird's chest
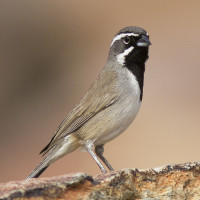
(125, 109)
(129, 101)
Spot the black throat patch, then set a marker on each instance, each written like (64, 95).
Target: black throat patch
(135, 62)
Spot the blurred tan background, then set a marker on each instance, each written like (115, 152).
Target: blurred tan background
(50, 53)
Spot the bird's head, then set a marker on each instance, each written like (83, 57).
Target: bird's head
(130, 46)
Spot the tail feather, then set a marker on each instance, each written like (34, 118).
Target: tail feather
(46, 148)
(62, 148)
(38, 170)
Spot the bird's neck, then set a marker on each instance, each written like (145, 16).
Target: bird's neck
(138, 69)
(135, 62)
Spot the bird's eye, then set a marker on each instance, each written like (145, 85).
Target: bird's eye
(126, 40)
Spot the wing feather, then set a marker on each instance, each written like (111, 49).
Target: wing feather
(93, 103)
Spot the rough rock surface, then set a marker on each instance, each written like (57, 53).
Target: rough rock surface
(181, 181)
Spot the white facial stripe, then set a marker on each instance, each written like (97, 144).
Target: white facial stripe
(118, 37)
(121, 56)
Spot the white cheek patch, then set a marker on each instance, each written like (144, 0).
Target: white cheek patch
(121, 56)
(119, 37)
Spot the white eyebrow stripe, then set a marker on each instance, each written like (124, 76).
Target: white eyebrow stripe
(121, 56)
(118, 37)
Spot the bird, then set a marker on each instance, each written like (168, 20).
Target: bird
(108, 107)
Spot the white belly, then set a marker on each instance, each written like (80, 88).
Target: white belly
(125, 111)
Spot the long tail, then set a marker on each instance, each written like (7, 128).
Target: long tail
(65, 146)
(39, 169)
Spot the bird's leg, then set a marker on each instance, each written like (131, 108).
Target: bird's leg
(99, 151)
(96, 159)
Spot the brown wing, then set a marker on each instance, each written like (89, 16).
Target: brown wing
(98, 98)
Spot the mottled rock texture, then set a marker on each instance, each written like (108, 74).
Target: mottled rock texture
(181, 181)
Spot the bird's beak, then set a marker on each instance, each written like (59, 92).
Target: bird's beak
(143, 41)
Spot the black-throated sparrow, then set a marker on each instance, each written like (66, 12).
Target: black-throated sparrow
(109, 106)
